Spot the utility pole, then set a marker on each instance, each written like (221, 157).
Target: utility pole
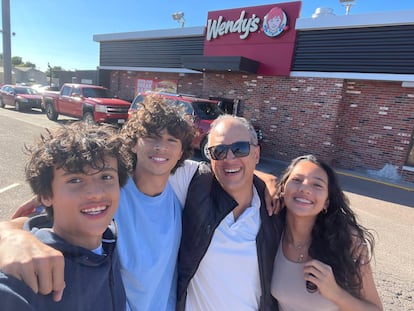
(7, 63)
(50, 74)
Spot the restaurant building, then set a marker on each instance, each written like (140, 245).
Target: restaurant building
(340, 87)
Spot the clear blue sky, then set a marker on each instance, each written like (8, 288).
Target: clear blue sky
(61, 32)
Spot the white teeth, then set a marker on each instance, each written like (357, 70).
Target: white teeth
(234, 170)
(159, 159)
(95, 210)
(303, 200)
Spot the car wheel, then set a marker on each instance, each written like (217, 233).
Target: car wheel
(17, 106)
(205, 155)
(2, 105)
(51, 112)
(88, 117)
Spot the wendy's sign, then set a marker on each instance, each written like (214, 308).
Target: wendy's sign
(274, 23)
(263, 33)
(244, 26)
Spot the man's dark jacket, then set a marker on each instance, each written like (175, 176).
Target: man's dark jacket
(206, 206)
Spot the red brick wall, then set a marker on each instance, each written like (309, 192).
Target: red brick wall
(355, 125)
(123, 83)
(375, 124)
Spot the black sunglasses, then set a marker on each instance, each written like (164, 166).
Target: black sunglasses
(240, 149)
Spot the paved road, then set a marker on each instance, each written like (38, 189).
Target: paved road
(386, 209)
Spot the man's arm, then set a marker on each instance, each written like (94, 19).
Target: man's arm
(271, 198)
(38, 265)
(27, 208)
(181, 179)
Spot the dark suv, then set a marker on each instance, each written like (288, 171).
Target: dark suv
(203, 112)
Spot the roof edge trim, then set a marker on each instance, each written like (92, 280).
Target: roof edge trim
(151, 34)
(150, 69)
(356, 20)
(354, 75)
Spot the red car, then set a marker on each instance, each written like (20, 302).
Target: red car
(202, 111)
(21, 97)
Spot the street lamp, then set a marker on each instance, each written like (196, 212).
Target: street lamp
(179, 17)
(347, 4)
(50, 74)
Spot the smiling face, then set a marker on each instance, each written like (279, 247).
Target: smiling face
(84, 203)
(234, 174)
(274, 23)
(306, 190)
(157, 155)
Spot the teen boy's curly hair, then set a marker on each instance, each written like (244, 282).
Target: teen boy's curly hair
(73, 148)
(153, 116)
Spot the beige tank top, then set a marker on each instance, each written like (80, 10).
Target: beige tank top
(288, 287)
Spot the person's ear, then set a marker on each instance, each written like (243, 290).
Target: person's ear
(46, 201)
(325, 207)
(257, 154)
(134, 148)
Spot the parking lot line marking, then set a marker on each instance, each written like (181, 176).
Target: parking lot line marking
(9, 187)
(390, 184)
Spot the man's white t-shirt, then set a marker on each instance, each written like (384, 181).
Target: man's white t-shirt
(228, 275)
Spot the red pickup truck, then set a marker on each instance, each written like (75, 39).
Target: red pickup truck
(91, 103)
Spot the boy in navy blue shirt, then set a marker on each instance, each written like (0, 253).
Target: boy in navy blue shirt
(76, 173)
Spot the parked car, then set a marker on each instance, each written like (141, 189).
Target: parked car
(21, 97)
(91, 103)
(202, 112)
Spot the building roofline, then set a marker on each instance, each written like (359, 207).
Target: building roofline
(392, 18)
(354, 75)
(150, 69)
(151, 34)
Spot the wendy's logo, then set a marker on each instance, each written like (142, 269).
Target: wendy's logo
(275, 22)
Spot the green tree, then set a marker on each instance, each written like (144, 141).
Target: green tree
(16, 61)
(29, 64)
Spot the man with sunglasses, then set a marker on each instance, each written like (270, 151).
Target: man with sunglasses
(228, 241)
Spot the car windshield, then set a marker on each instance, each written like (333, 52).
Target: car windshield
(207, 110)
(96, 93)
(186, 107)
(26, 90)
(137, 100)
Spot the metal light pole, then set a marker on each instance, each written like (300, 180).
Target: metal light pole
(179, 17)
(347, 4)
(7, 63)
(50, 74)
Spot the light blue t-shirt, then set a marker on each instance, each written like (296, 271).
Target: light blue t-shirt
(149, 233)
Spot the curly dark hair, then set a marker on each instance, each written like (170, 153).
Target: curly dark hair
(74, 148)
(153, 116)
(336, 233)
